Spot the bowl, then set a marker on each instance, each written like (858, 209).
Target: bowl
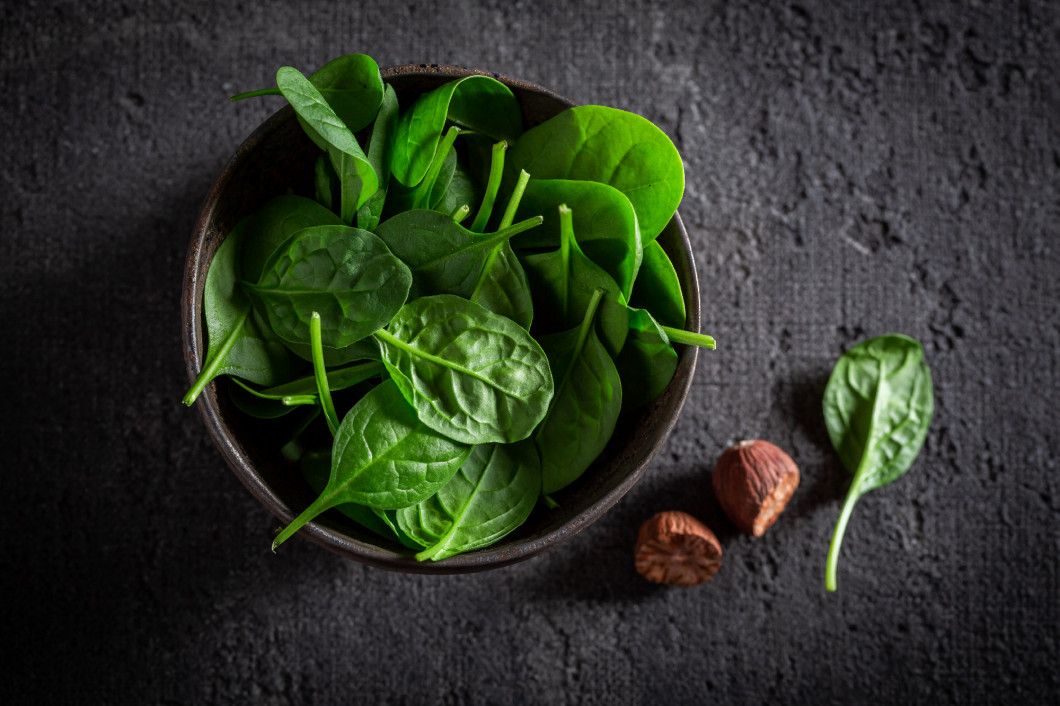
(276, 158)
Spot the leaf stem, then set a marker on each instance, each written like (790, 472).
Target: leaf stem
(677, 335)
(517, 196)
(214, 364)
(323, 391)
(298, 400)
(254, 94)
(324, 502)
(587, 320)
(837, 538)
(422, 196)
(566, 239)
(485, 209)
(459, 214)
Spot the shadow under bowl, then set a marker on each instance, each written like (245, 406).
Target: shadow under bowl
(278, 158)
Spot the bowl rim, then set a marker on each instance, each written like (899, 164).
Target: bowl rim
(486, 558)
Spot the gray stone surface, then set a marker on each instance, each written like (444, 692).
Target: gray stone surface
(852, 169)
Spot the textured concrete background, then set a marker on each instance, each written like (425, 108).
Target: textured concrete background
(851, 170)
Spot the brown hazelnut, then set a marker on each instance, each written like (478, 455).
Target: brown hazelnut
(753, 481)
(677, 549)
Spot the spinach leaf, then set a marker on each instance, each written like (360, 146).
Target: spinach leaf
(401, 198)
(477, 103)
(586, 405)
(436, 181)
(612, 147)
(236, 346)
(603, 219)
(444, 256)
(326, 183)
(346, 274)
(491, 495)
(277, 221)
(385, 457)
(647, 362)
(658, 289)
(379, 148)
(316, 468)
(350, 84)
(877, 406)
(326, 129)
(352, 87)
(472, 375)
(503, 287)
(563, 283)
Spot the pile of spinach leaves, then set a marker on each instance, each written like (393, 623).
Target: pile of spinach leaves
(439, 373)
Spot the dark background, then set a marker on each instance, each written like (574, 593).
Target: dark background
(852, 169)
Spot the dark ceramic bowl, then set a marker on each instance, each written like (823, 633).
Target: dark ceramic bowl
(278, 157)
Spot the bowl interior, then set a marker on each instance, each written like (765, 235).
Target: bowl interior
(278, 158)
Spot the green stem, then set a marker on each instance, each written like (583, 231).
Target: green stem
(324, 502)
(587, 320)
(214, 364)
(254, 94)
(517, 196)
(566, 239)
(459, 214)
(298, 400)
(677, 335)
(422, 197)
(485, 209)
(321, 375)
(837, 539)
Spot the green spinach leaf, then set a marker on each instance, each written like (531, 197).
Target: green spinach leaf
(491, 495)
(346, 274)
(444, 256)
(350, 84)
(356, 176)
(477, 103)
(878, 405)
(564, 281)
(603, 219)
(609, 146)
(277, 221)
(316, 469)
(379, 148)
(472, 375)
(647, 362)
(658, 289)
(236, 346)
(503, 287)
(385, 457)
(586, 405)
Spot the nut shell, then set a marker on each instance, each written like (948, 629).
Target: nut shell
(753, 482)
(677, 549)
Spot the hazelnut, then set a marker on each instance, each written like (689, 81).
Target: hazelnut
(753, 481)
(677, 549)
